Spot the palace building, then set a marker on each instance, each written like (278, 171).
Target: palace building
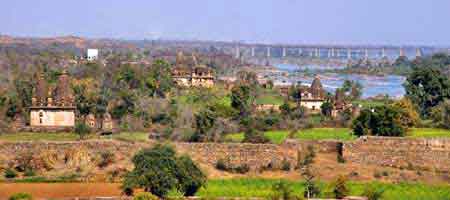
(53, 109)
(188, 73)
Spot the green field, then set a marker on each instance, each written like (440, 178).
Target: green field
(124, 136)
(428, 132)
(278, 137)
(262, 188)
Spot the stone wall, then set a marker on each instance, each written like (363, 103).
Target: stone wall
(415, 154)
(72, 155)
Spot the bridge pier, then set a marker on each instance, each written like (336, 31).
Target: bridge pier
(418, 52)
(402, 52)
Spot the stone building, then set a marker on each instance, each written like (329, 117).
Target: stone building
(312, 97)
(188, 73)
(52, 109)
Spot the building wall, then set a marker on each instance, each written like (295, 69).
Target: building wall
(55, 118)
(312, 104)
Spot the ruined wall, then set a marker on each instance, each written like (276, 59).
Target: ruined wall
(415, 154)
(73, 155)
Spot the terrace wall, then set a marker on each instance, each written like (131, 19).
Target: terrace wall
(426, 154)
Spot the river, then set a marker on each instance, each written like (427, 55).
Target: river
(391, 85)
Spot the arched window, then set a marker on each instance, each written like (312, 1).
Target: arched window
(41, 116)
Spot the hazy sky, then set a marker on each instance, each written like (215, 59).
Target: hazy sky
(275, 21)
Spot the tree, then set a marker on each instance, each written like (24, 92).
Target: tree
(409, 116)
(326, 108)
(159, 80)
(81, 129)
(252, 135)
(381, 121)
(340, 189)
(159, 170)
(441, 114)
(426, 87)
(241, 99)
(204, 121)
(21, 196)
(145, 196)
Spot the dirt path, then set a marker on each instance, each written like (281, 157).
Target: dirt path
(60, 190)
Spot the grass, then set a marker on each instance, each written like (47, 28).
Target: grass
(263, 188)
(269, 97)
(129, 136)
(124, 136)
(39, 137)
(370, 103)
(326, 134)
(428, 133)
(278, 137)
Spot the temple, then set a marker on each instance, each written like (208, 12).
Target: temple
(188, 73)
(313, 97)
(53, 109)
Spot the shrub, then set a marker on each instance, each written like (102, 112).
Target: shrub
(10, 173)
(308, 158)
(145, 196)
(282, 190)
(254, 136)
(241, 169)
(24, 161)
(81, 129)
(159, 170)
(373, 193)
(221, 165)
(106, 158)
(21, 196)
(382, 121)
(285, 165)
(29, 172)
(340, 189)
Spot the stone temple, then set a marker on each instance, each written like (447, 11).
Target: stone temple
(188, 73)
(52, 109)
(314, 96)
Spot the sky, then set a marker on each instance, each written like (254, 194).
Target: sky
(397, 22)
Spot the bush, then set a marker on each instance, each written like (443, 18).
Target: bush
(285, 165)
(382, 121)
(241, 169)
(21, 196)
(373, 193)
(255, 136)
(221, 165)
(106, 158)
(81, 129)
(308, 158)
(10, 173)
(340, 189)
(282, 190)
(145, 196)
(159, 170)
(29, 172)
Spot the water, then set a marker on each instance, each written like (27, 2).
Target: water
(391, 85)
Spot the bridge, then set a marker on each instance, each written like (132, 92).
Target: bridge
(341, 52)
